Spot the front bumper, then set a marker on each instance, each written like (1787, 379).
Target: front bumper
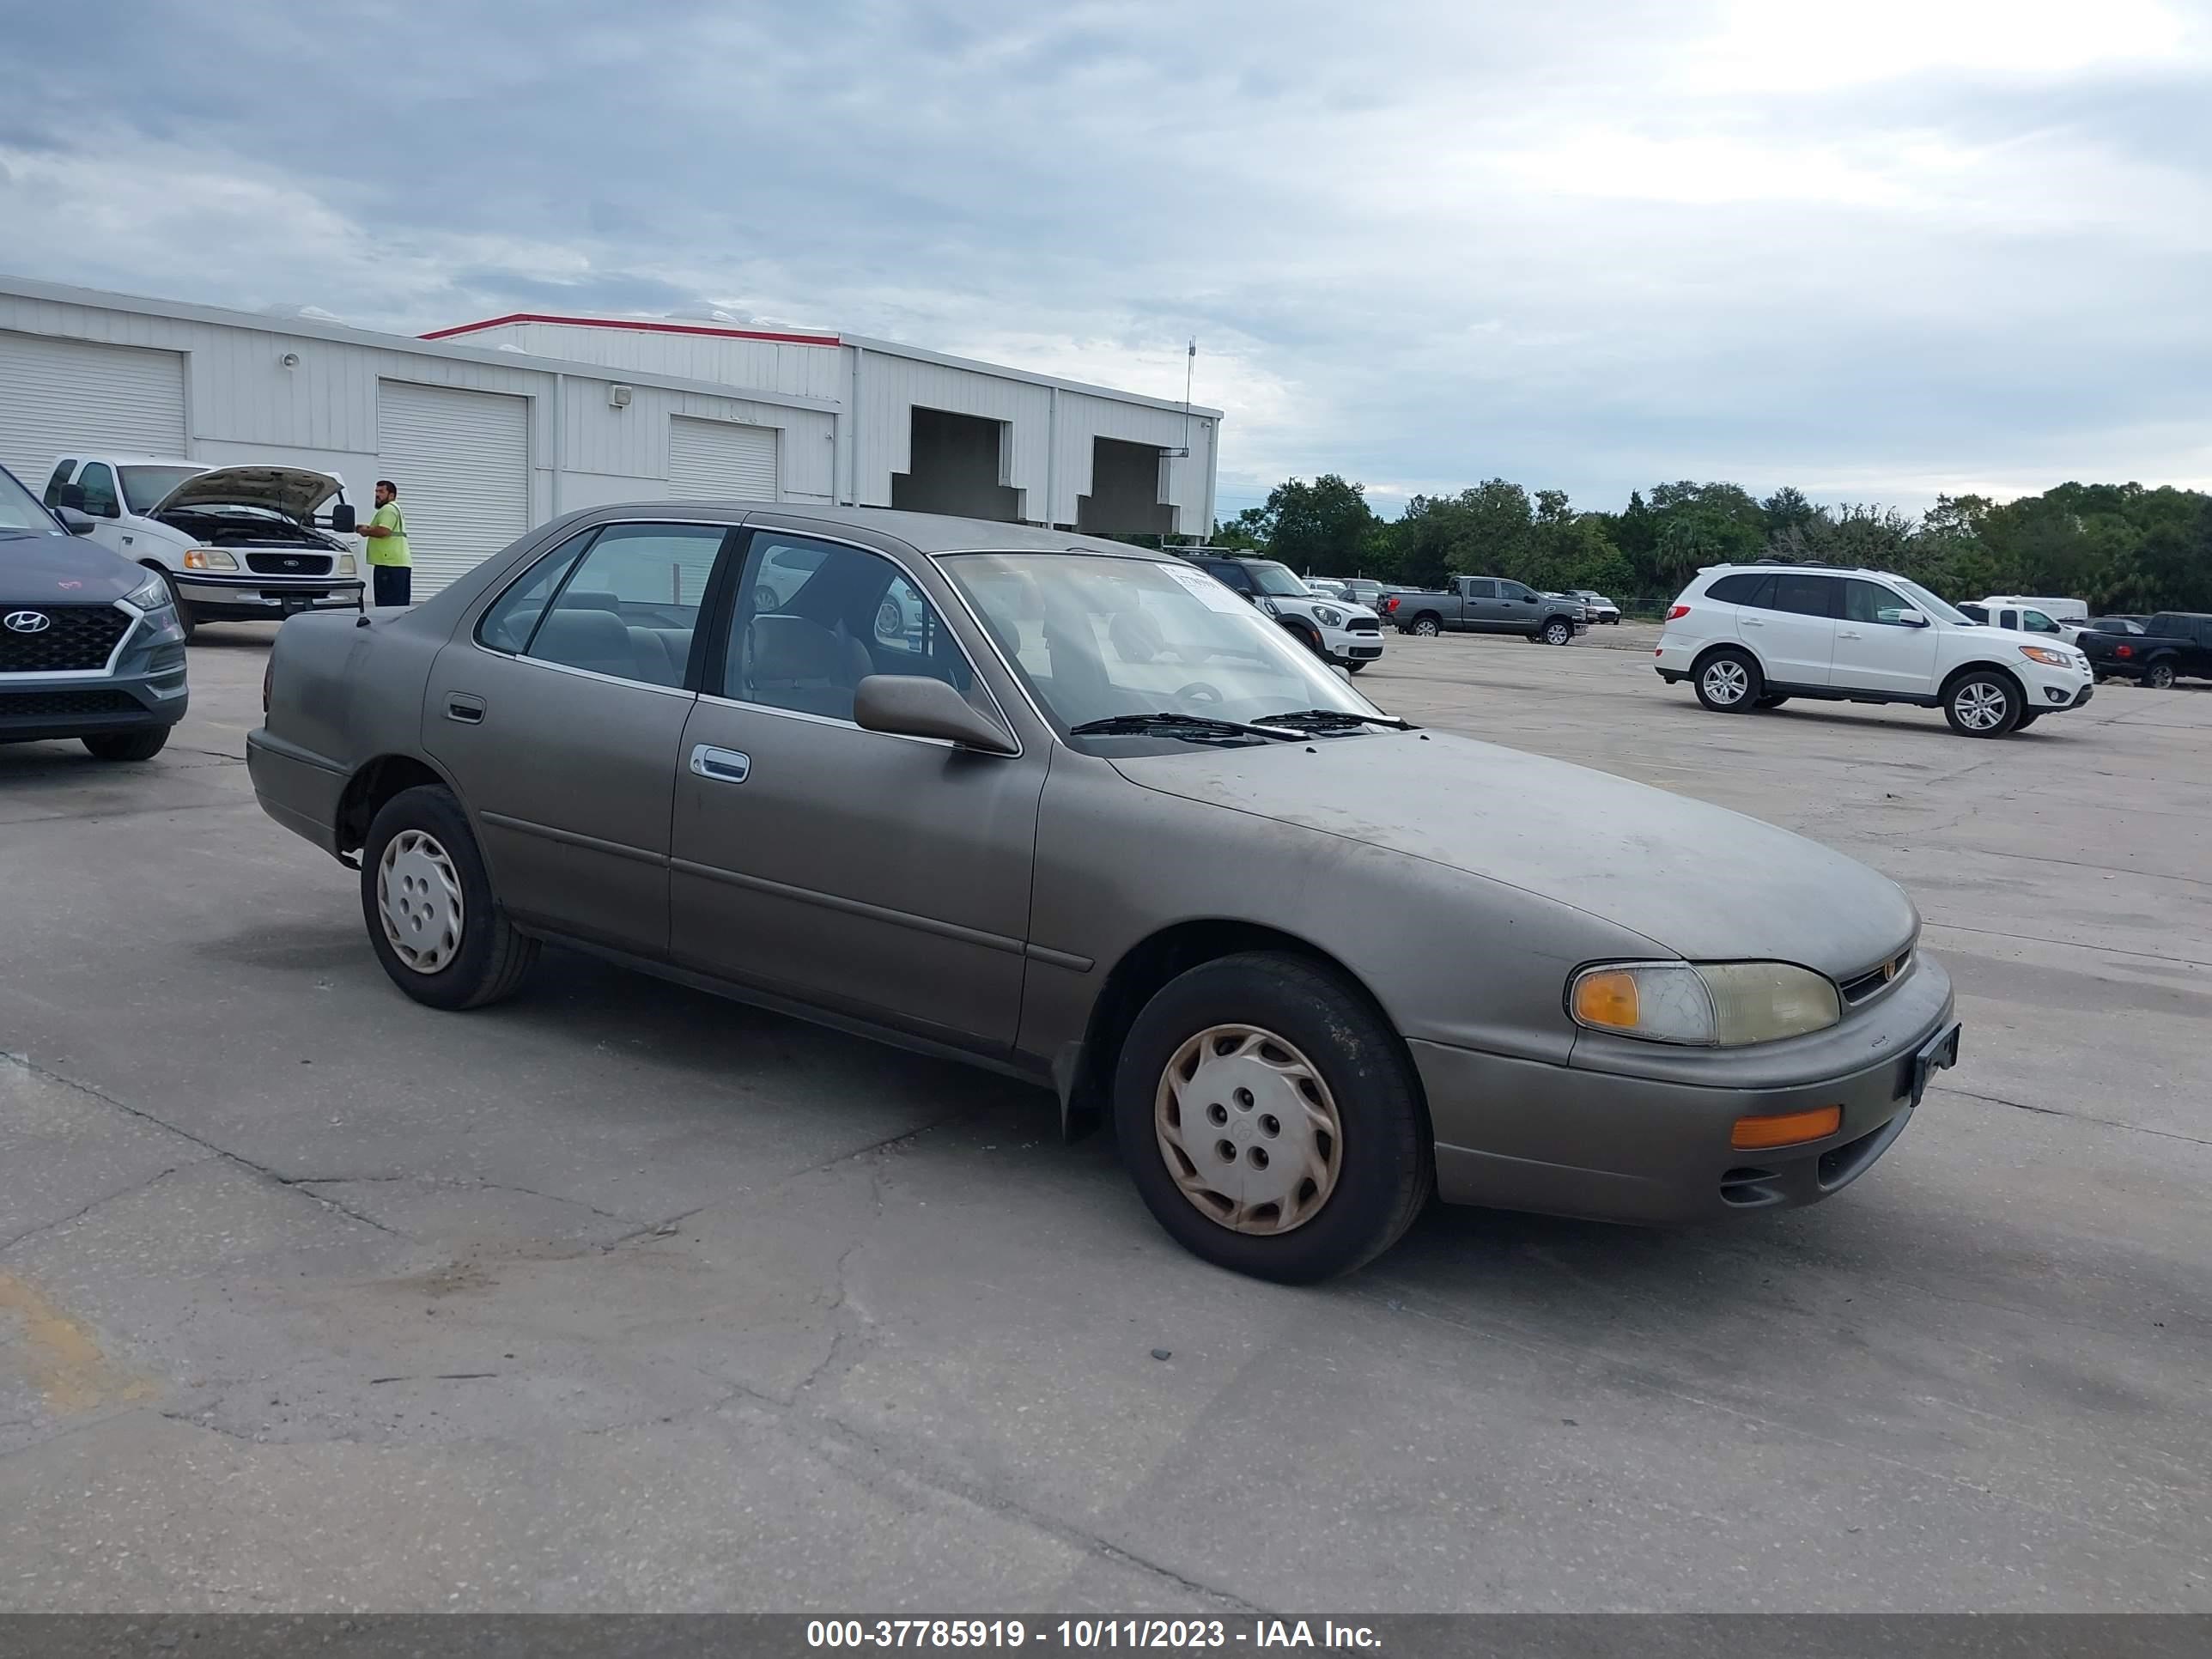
(1518, 1134)
(1341, 645)
(2050, 689)
(222, 598)
(39, 709)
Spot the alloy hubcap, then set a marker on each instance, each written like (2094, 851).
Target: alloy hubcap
(1426, 629)
(2161, 678)
(1727, 682)
(1557, 633)
(1981, 706)
(418, 897)
(1249, 1130)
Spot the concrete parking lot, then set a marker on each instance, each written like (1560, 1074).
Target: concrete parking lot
(620, 1296)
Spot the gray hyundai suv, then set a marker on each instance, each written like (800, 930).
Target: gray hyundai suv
(90, 646)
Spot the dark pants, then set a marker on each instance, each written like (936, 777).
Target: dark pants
(391, 583)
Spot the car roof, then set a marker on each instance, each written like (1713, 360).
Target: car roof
(1811, 569)
(925, 533)
(126, 458)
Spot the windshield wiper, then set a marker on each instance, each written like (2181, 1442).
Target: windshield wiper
(1196, 725)
(1332, 719)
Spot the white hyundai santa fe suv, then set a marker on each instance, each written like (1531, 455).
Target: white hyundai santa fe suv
(1753, 637)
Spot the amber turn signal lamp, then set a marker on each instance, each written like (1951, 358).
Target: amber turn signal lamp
(1607, 999)
(1785, 1128)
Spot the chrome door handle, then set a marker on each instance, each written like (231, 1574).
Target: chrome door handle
(723, 765)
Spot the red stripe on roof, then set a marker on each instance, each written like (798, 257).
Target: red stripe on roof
(635, 325)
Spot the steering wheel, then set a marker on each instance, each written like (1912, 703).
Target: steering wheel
(1199, 691)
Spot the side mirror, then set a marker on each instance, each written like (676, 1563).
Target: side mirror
(1912, 618)
(913, 705)
(341, 519)
(76, 523)
(71, 496)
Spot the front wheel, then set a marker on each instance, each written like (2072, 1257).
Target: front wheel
(1771, 700)
(1355, 666)
(140, 745)
(427, 902)
(2028, 720)
(2159, 676)
(1559, 631)
(1983, 703)
(1729, 681)
(1270, 1120)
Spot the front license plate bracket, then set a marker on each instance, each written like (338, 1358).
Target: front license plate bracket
(1939, 1053)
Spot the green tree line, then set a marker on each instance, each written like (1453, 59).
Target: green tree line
(2121, 547)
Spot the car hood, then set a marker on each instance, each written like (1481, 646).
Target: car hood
(297, 492)
(1696, 880)
(38, 569)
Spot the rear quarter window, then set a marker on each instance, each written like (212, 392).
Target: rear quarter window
(1747, 588)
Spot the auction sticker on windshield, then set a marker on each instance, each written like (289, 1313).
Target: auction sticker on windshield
(1211, 594)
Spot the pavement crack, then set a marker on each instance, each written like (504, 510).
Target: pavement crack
(2077, 1117)
(469, 1184)
(108, 1198)
(274, 1177)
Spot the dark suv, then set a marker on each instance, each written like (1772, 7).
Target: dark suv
(90, 646)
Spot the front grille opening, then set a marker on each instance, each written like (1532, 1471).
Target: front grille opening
(62, 705)
(60, 639)
(289, 564)
(1875, 981)
(1748, 1187)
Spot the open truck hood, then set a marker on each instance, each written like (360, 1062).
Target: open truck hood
(297, 492)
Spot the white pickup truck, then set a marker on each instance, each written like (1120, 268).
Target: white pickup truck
(235, 543)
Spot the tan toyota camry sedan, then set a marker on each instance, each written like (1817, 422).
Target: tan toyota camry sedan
(1074, 810)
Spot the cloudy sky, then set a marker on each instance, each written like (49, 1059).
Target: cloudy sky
(1876, 248)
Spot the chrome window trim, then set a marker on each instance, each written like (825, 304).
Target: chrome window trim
(588, 673)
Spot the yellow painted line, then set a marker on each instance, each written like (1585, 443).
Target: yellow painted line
(59, 1358)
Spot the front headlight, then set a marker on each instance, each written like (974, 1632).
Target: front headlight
(1329, 615)
(209, 558)
(152, 594)
(345, 564)
(2045, 655)
(1713, 1004)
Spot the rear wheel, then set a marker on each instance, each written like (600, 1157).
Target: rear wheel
(427, 902)
(1729, 681)
(2159, 676)
(1983, 703)
(1559, 631)
(1270, 1119)
(1425, 628)
(140, 745)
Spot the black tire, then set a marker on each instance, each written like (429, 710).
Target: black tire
(2029, 717)
(491, 957)
(140, 745)
(1559, 631)
(1308, 638)
(1354, 667)
(2159, 676)
(186, 620)
(1772, 700)
(1968, 699)
(1726, 693)
(1425, 628)
(1386, 1159)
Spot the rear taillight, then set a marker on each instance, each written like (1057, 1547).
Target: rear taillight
(1390, 604)
(1677, 611)
(2124, 651)
(268, 669)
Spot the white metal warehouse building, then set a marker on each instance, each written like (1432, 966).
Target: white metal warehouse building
(491, 427)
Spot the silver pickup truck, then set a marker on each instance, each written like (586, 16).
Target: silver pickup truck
(1485, 604)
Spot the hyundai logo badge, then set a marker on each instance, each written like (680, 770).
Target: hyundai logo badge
(29, 622)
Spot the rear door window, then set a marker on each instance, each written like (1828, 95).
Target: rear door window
(1804, 596)
(1754, 589)
(1477, 588)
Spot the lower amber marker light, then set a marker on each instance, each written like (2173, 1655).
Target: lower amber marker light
(1785, 1128)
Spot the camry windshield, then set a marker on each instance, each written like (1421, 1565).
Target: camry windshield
(144, 487)
(1928, 602)
(19, 509)
(1095, 637)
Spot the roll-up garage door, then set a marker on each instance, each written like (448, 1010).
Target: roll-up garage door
(461, 460)
(57, 396)
(720, 461)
